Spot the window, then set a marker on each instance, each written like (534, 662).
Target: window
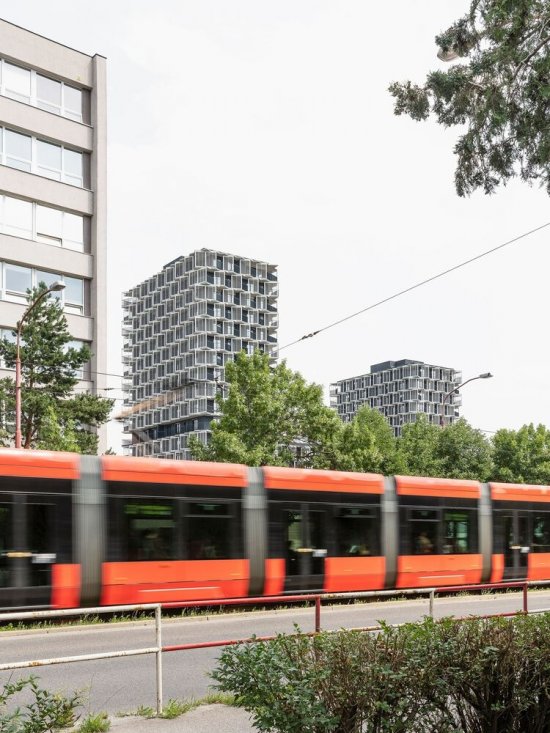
(150, 530)
(60, 228)
(17, 279)
(16, 82)
(17, 150)
(457, 532)
(424, 531)
(357, 532)
(49, 160)
(30, 87)
(49, 225)
(72, 167)
(74, 295)
(209, 532)
(48, 94)
(42, 158)
(72, 103)
(541, 532)
(17, 217)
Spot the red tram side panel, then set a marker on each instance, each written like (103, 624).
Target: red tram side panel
(521, 517)
(164, 581)
(439, 542)
(333, 573)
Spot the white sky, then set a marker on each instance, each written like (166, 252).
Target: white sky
(264, 128)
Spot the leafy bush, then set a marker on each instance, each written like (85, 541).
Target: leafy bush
(473, 676)
(494, 674)
(330, 683)
(46, 712)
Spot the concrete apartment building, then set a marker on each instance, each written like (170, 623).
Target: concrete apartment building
(180, 327)
(400, 390)
(53, 186)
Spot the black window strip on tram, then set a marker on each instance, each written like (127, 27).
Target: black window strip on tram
(336, 523)
(438, 526)
(506, 518)
(173, 522)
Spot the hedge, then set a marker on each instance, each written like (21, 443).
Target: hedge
(468, 676)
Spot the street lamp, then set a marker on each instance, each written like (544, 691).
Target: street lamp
(485, 375)
(54, 287)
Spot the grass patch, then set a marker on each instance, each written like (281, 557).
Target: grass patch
(98, 723)
(174, 707)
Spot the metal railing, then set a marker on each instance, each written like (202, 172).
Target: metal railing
(316, 598)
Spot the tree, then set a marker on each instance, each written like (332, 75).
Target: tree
(501, 94)
(52, 416)
(464, 452)
(418, 448)
(522, 456)
(267, 412)
(367, 444)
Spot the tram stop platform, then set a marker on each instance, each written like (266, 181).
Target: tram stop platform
(202, 719)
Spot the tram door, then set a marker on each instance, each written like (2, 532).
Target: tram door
(26, 556)
(513, 528)
(305, 531)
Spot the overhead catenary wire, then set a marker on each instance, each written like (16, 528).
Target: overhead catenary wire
(416, 285)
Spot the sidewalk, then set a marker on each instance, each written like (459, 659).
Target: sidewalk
(203, 719)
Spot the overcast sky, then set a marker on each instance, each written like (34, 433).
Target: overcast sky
(264, 128)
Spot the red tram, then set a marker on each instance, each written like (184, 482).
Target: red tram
(85, 530)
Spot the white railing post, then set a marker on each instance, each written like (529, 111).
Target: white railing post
(158, 630)
(432, 597)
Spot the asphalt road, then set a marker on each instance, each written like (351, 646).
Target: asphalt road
(123, 684)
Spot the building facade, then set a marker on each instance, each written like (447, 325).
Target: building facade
(180, 327)
(53, 187)
(400, 390)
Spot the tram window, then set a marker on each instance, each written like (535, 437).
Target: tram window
(150, 530)
(293, 539)
(5, 543)
(209, 531)
(356, 532)
(457, 532)
(40, 541)
(424, 531)
(541, 533)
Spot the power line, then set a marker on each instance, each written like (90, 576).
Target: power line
(414, 287)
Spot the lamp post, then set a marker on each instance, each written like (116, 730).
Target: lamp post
(54, 287)
(485, 375)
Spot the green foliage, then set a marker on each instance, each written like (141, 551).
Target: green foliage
(464, 452)
(52, 417)
(267, 411)
(45, 712)
(331, 683)
(145, 711)
(469, 676)
(500, 93)
(366, 444)
(174, 708)
(418, 448)
(98, 723)
(493, 673)
(522, 456)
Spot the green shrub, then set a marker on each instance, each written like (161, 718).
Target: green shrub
(46, 712)
(331, 683)
(473, 676)
(494, 673)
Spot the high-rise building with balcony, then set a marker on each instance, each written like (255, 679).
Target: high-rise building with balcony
(181, 326)
(53, 186)
(400, 390)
